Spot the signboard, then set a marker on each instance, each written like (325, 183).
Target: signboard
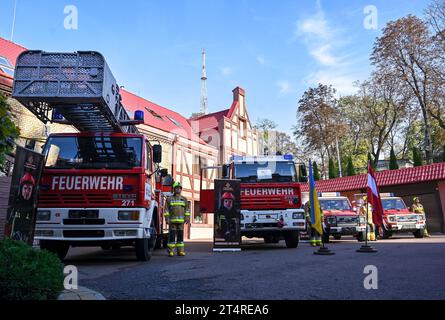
(23, 196)
(227, 235)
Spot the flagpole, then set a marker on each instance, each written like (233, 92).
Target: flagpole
(366, 248)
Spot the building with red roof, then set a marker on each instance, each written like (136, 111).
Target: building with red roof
(426, 182)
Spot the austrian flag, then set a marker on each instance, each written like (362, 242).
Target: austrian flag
(374, 197)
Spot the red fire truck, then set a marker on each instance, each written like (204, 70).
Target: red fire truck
(398, 218)
(270, 197)
(340, 217)
(98, 185)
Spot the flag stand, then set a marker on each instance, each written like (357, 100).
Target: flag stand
(323, 251)
(366, 248)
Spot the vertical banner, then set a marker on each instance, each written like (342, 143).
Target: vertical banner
(22, 205)
(227, 233)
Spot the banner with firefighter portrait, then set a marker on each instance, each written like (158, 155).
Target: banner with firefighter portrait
(22, 205)
(227, 214)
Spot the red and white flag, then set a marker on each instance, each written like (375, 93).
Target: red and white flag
(374, 197)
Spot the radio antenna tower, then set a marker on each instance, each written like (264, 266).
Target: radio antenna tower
(204, 102)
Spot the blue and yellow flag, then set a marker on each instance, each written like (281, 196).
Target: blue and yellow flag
(317, 224)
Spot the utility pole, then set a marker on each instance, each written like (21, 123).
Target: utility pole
(204, 102)
(338, 158)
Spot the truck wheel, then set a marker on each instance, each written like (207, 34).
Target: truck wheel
(56, 247)
(292, 238)
(361, 236)
(419, 233)
(383, 233)
(159, 241)
(145, 247)
(325, 237)
(337, 237)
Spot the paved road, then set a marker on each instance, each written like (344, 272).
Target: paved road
(408, 268)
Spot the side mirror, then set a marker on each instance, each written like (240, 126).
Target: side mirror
(225, 171)
(163, 172)
(157, 153)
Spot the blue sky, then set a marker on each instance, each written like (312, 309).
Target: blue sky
(274, 49)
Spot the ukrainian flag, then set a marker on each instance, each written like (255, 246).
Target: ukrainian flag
(317, 224)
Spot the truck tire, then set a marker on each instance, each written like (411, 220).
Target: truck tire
(419, 233)
(361, 236)
(383, 233)
(58, 248)
(337, 237)
(292, 238)
(159, 242)
(144, 249)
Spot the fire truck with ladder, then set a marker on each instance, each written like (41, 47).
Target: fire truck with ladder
(98, 187)
(270, 197)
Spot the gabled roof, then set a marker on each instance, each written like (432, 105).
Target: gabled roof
(11, 51)
(208, 121)
(159, 117)
(432, 172)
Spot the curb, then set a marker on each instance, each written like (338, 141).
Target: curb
(81, 293)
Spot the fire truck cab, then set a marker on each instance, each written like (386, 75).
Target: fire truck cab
(397, 218)
(340, 217)
(96, 190)
(270, 197)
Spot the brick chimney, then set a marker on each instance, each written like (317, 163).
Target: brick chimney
(238, 92)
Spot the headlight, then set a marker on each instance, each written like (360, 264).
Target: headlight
(331, 220)
(43, 215)
(128, 215)
(392, 218)
(420, 217)
(298, 215)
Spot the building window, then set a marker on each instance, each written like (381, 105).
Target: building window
(174, 121)
(243, 128)
(154, 113)
(6, 67)
(198, 217)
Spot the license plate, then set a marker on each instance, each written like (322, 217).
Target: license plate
(267, 216)
(409, 226)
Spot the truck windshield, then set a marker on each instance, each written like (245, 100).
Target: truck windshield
(265, 172)
(93, 152)
(341, 204)
(393, 204)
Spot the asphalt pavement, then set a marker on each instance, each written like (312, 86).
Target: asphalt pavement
(407, 268)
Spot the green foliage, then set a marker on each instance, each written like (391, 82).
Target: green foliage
(393, 165)
(350, 170)
(8, 130)
(333, 172)
(316, 171)
(27, 273)
(417, 157)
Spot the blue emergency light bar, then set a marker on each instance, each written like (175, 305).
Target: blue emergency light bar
(288, 157)
(139, 115)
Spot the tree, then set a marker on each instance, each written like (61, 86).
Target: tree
(318, 120)
(284, 144)
(417, 157)
(405, 51)
(8, 130)
(393, 165)
(371, 160)
(350, 170)
(333, 172)
(316, 171)
(265, 126)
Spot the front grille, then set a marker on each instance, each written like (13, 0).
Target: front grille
(67, 199)
(89, 222)
(83, 233)
(82, 214)
(347, 220)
